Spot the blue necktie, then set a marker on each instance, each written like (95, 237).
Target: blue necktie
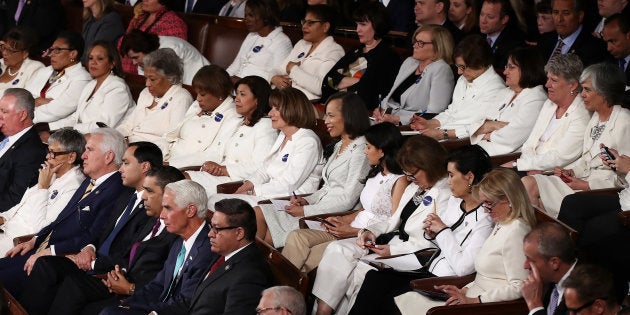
(178, 265)
(622, 66)
(104, 248)
(553, 304)
(189, 6)
(3, 143)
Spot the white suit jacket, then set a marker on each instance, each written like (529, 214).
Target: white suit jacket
(565, 143)
(470, 102)
(439, 193)
(65, 92)
(195, 135)
(146, 124)
(39, 207)
(342, 180)
(520, 114)
(260, 55)
(109, 105)
(432, 93)
(295, 168)
(28, 68)
(191, 57)
(616, 135)
(308, 76)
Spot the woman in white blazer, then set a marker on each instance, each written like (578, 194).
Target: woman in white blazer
(57, 88)
(16, 66)
(106, 99)
(340, 274)
(238, 155)
(162, 104)
(499, 262)
(424, 83)
(209, 118)
(294, 163)
(313, 56)
(59, 178)
(343, 173)
(603, 87)
(508, 123)
(265, 46)
(475, 91)
(556, 138)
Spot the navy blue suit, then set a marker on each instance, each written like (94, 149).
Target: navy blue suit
(18, 168)
(591, 50)
(154, 296)
(75, 226)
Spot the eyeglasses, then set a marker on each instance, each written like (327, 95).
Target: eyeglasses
(461, 67)
(56, 50)
(420, 43)
(510, 66)
(54, 154)
(216, 230)
(492, 205)
(310, 22)
(6, 50)
(264, 310)
(581, 308)
(411, 176)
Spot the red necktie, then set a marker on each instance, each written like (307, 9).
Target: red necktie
(216, 265)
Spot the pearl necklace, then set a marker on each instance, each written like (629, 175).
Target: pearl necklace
(12, 74)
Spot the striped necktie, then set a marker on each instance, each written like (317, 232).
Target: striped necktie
(88, 190)
(558, 50)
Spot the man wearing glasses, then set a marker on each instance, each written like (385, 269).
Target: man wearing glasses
(21, 150)
(183, 212)
(591, 290)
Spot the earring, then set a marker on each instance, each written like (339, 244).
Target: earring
(469, 187)
(71, 59)
(572, 92)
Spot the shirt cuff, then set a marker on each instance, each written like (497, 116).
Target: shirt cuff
(535, 310)
(52, 250)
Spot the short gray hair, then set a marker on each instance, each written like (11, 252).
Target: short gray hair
(112, 140)
(189, 192)
(70, 140)
(287, 297)
(568, 66)
(23, 100)
(607, 80)
(166, 63)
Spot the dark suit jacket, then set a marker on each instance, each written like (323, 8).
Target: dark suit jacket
(152, 295)
(455, 31)
(150, 255)
(18, 168)
(119, 250)
(509, 39)
(234, 288)
(591, 50)
(81, 220)
(560, 310)
(45, 17)
(202, 6)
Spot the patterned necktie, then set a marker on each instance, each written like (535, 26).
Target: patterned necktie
(89, 188)
(558, 50)
(553, 304)
(489, 40)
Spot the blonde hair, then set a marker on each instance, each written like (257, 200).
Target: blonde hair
(442, 42)
(505, 183)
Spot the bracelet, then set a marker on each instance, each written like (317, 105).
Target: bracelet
(445, 134)
(132, 290)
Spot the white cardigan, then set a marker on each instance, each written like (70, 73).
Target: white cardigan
(64, 92)
(109, 105)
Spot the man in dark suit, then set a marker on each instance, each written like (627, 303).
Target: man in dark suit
(45, 17)
(570, 35)
(590, 289)
(497, 22)
(616, 34)
(435, 12)
(233, 284)
(84, 216)
(109, 248)
(21, 150)
(183, 211)
(199, 6)
(550, 257)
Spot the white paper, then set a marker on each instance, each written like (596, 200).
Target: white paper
(279, 204)
(410, 132)
(404, 262)
(314, 225)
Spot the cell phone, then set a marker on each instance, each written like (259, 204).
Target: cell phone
(322, 220)
(388, 111)
(606, 153)
(564, 178)
(369, 244)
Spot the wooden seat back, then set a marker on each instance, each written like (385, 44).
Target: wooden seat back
(284, 272)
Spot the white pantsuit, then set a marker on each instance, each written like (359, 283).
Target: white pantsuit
(24, 74)
(38, 207)
(260, 55)
(470, 101)
(241, 153)
(194, 136)
(499, 266)
(589, 166)
(108, 105)
(342, 176)
(307, 77)
(432, 93)
(520, 114)
(150, 124)
(64, 92)
(563, 145)
(338, 278)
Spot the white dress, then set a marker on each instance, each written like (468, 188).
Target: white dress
(24, 74)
